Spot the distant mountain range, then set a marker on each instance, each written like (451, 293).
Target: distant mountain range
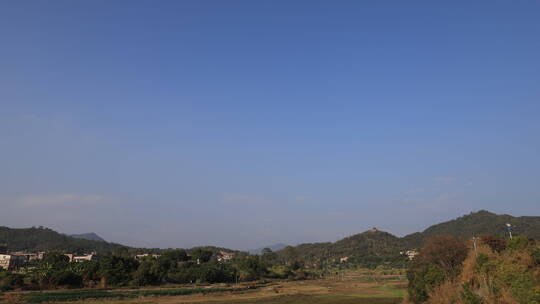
(373, 245)
(91, 236)
(275, 247)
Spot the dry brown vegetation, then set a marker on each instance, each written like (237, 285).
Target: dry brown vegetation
(309, 291)
(492, 273)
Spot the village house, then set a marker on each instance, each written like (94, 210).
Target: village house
(81, 258)
(409, 253)
(86, 257)
(344, 259)
(146, 255)
(28, 256)
(11, 262)
(70, 256)
(223, 256)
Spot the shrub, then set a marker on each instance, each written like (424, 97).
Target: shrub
(440, 259)
(422, 280)
(496, 244)
(468, 296)
(518, 242)
(66, 278)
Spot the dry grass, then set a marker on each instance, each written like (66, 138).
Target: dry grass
(299, 292)
(444, 294)
(13, 298)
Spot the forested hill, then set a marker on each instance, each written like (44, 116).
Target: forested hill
(478, 223)
(374, 247)
(45, 239)
(370, 248)
(88, 236)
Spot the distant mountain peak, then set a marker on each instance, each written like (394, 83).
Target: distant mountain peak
(481, 212)
(88, 236)
(373, 232)
(274, 247)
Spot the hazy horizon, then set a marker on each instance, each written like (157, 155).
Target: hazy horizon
(268, 244)
(243, 124)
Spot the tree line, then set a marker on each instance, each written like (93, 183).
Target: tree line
(172, 266)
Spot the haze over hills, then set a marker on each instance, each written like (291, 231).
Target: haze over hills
(45, 239)
(88, 236)
(274, 247)
(370, 246)
(37, 239)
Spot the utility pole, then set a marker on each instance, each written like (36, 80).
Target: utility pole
(474, 244)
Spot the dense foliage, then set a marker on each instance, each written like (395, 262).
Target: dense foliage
(374, 247)
(369, 249)
(173, 266)
(440, 259)
(478, 223)
(494, 271)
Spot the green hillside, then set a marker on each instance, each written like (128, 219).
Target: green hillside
(88, 236)
(374, 247)
(369, 249)
(45, 239)
(478, 223)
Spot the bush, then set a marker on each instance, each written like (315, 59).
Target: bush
(518, 242)
(468, 296)
(117, 270)
(11, 281)
(422, 280)
(496, 244)
(440, 259)
(66, 278)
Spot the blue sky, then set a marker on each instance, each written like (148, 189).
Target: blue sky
(247, 123)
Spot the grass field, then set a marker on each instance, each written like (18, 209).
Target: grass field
(297, 292)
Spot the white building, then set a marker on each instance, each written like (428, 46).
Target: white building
(10, 262)
(224, 256)
(410, 253)
(147, 255)
(344, 259)
(86, 257)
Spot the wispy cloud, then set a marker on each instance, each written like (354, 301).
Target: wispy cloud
(414, 191)
(444, 179)
(58, 199)
(445, 198)
(237, 198)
